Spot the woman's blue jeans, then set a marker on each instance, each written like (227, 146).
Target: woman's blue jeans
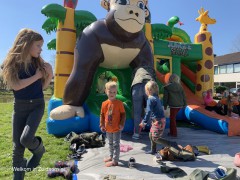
(139, 97)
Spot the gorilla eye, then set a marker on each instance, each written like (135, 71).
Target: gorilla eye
(141, 5)
(122, 2)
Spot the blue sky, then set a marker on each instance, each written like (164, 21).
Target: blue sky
(18, 14)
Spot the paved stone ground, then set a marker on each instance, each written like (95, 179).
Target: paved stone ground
(91, 166)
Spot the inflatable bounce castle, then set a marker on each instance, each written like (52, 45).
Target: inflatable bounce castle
(172, 50)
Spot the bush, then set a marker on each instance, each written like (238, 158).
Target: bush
(220, 89)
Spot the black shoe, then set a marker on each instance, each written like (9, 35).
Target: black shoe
(19, 172)
(131, 162)
(81, 149)
(73, 147)
(37, 154)
(75, 156)
(70, 136)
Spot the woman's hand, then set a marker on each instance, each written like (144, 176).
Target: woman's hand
(39, 73)
(48, 69)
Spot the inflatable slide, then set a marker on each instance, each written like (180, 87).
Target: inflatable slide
(195, 112)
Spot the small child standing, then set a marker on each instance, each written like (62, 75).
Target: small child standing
(112, 119)
(154, 111)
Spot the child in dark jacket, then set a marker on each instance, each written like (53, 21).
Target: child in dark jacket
(175, 98)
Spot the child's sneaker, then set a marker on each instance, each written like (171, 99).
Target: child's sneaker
(150, 152)
(218, 173)
(136, 136)
(81, 149)
(158, 158)
(131, 162)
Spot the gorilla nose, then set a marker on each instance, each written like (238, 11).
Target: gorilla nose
(131, 12)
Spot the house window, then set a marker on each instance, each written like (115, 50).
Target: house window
(222, 69)
(215, 69)
(236, 68)
(230, 68)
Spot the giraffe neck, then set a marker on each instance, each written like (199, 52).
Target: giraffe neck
(203, 27)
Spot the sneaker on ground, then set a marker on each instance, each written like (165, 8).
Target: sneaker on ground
(150, 152)
(136, 136)
(131, 162)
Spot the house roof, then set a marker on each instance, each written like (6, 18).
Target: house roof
(227, 59)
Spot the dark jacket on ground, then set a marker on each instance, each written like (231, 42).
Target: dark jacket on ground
(174, 96)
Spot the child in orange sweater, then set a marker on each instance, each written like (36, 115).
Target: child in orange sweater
(112, 119)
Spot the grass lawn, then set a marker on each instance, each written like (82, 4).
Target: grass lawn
(56, 148)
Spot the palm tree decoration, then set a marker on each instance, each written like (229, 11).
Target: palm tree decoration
(68, 23)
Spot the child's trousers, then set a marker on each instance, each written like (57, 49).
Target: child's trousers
(114, 145)
(26, 118)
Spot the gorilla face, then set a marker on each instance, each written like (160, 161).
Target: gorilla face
(129, 14)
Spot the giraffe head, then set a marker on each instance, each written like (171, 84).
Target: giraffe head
(203, 17)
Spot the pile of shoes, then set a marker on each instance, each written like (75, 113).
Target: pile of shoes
(63, 168)
(90, 139)
(77, 151)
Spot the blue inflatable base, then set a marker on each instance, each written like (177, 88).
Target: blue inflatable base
(209, 123)
(90, 123)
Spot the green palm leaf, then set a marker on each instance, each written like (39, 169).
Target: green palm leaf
(52, 44)
(55, 11)
(50, 25)
(82, 19)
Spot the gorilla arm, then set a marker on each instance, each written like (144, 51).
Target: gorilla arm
(87, 57)
(144, 58)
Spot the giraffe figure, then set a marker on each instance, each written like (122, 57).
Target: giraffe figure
(205, 67)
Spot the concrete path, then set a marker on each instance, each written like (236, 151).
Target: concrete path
(91, 166)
